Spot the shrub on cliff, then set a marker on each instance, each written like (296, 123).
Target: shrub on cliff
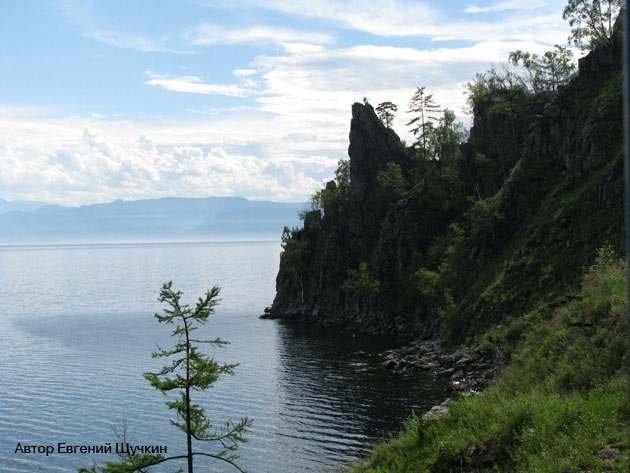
(361, 284)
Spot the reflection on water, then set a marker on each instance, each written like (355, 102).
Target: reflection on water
(337, 395)
(74, 343)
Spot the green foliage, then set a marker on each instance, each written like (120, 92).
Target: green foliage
(445, 139)
(586, 344)
(530, 72)
(546, 73)
(193, 370)
(505, 111)
(127, 464)
(484, 219)
(436, 297)
(486, 84)
(288, 238)
(361, 283)
(536, 432)
(482, 179)
(483, 162)
(437, 189)
(342, 176)
(429, 284)
(385, 112)
(452, 277)
(591, 21)
(438, 289)
(424, 110)
(393, 180)
(189, 370)
(292, 256)
(337, 198)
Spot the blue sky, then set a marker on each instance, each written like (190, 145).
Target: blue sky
(112, 99)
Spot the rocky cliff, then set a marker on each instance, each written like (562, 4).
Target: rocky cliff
(419, 247)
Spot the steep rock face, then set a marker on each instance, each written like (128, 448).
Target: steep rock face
(562, 200)
(336, 242)
(371, 147)
(574, 136)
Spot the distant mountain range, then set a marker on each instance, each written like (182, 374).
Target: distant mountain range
(166, 219)
(20, 205)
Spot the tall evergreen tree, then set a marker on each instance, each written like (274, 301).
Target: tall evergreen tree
(189, 371)
(385, 112)
(425, 110)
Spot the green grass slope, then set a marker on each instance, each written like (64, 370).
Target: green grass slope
(560, 407)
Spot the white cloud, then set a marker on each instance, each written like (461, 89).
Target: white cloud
(211, 34)
(302, 48)
(386, 18)
(77, 160)
(244, 72)
(548, 28)
(280, 151)
(194, 85)
(399, 18)
(129, 41)
(314, 91)
(507, 5)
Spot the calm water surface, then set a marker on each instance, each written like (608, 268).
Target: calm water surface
(77, 332)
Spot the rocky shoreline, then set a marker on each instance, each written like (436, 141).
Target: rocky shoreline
(470, 371)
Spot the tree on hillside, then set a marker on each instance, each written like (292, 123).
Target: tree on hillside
(424, 110)
(591, 21)
(342, 176)
(530, 72)
(385, 112)
(361, 284)
(190, 370)
(546, 73)
(447, 137)
(392, 180)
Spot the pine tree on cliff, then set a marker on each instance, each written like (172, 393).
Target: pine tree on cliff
(424, 109)
(385, 112)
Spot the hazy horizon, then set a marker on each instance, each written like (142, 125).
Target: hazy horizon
(42, 203)
(149, 220)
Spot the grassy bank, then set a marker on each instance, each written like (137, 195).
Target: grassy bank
(561, 406)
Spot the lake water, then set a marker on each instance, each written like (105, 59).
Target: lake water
(77, 332)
